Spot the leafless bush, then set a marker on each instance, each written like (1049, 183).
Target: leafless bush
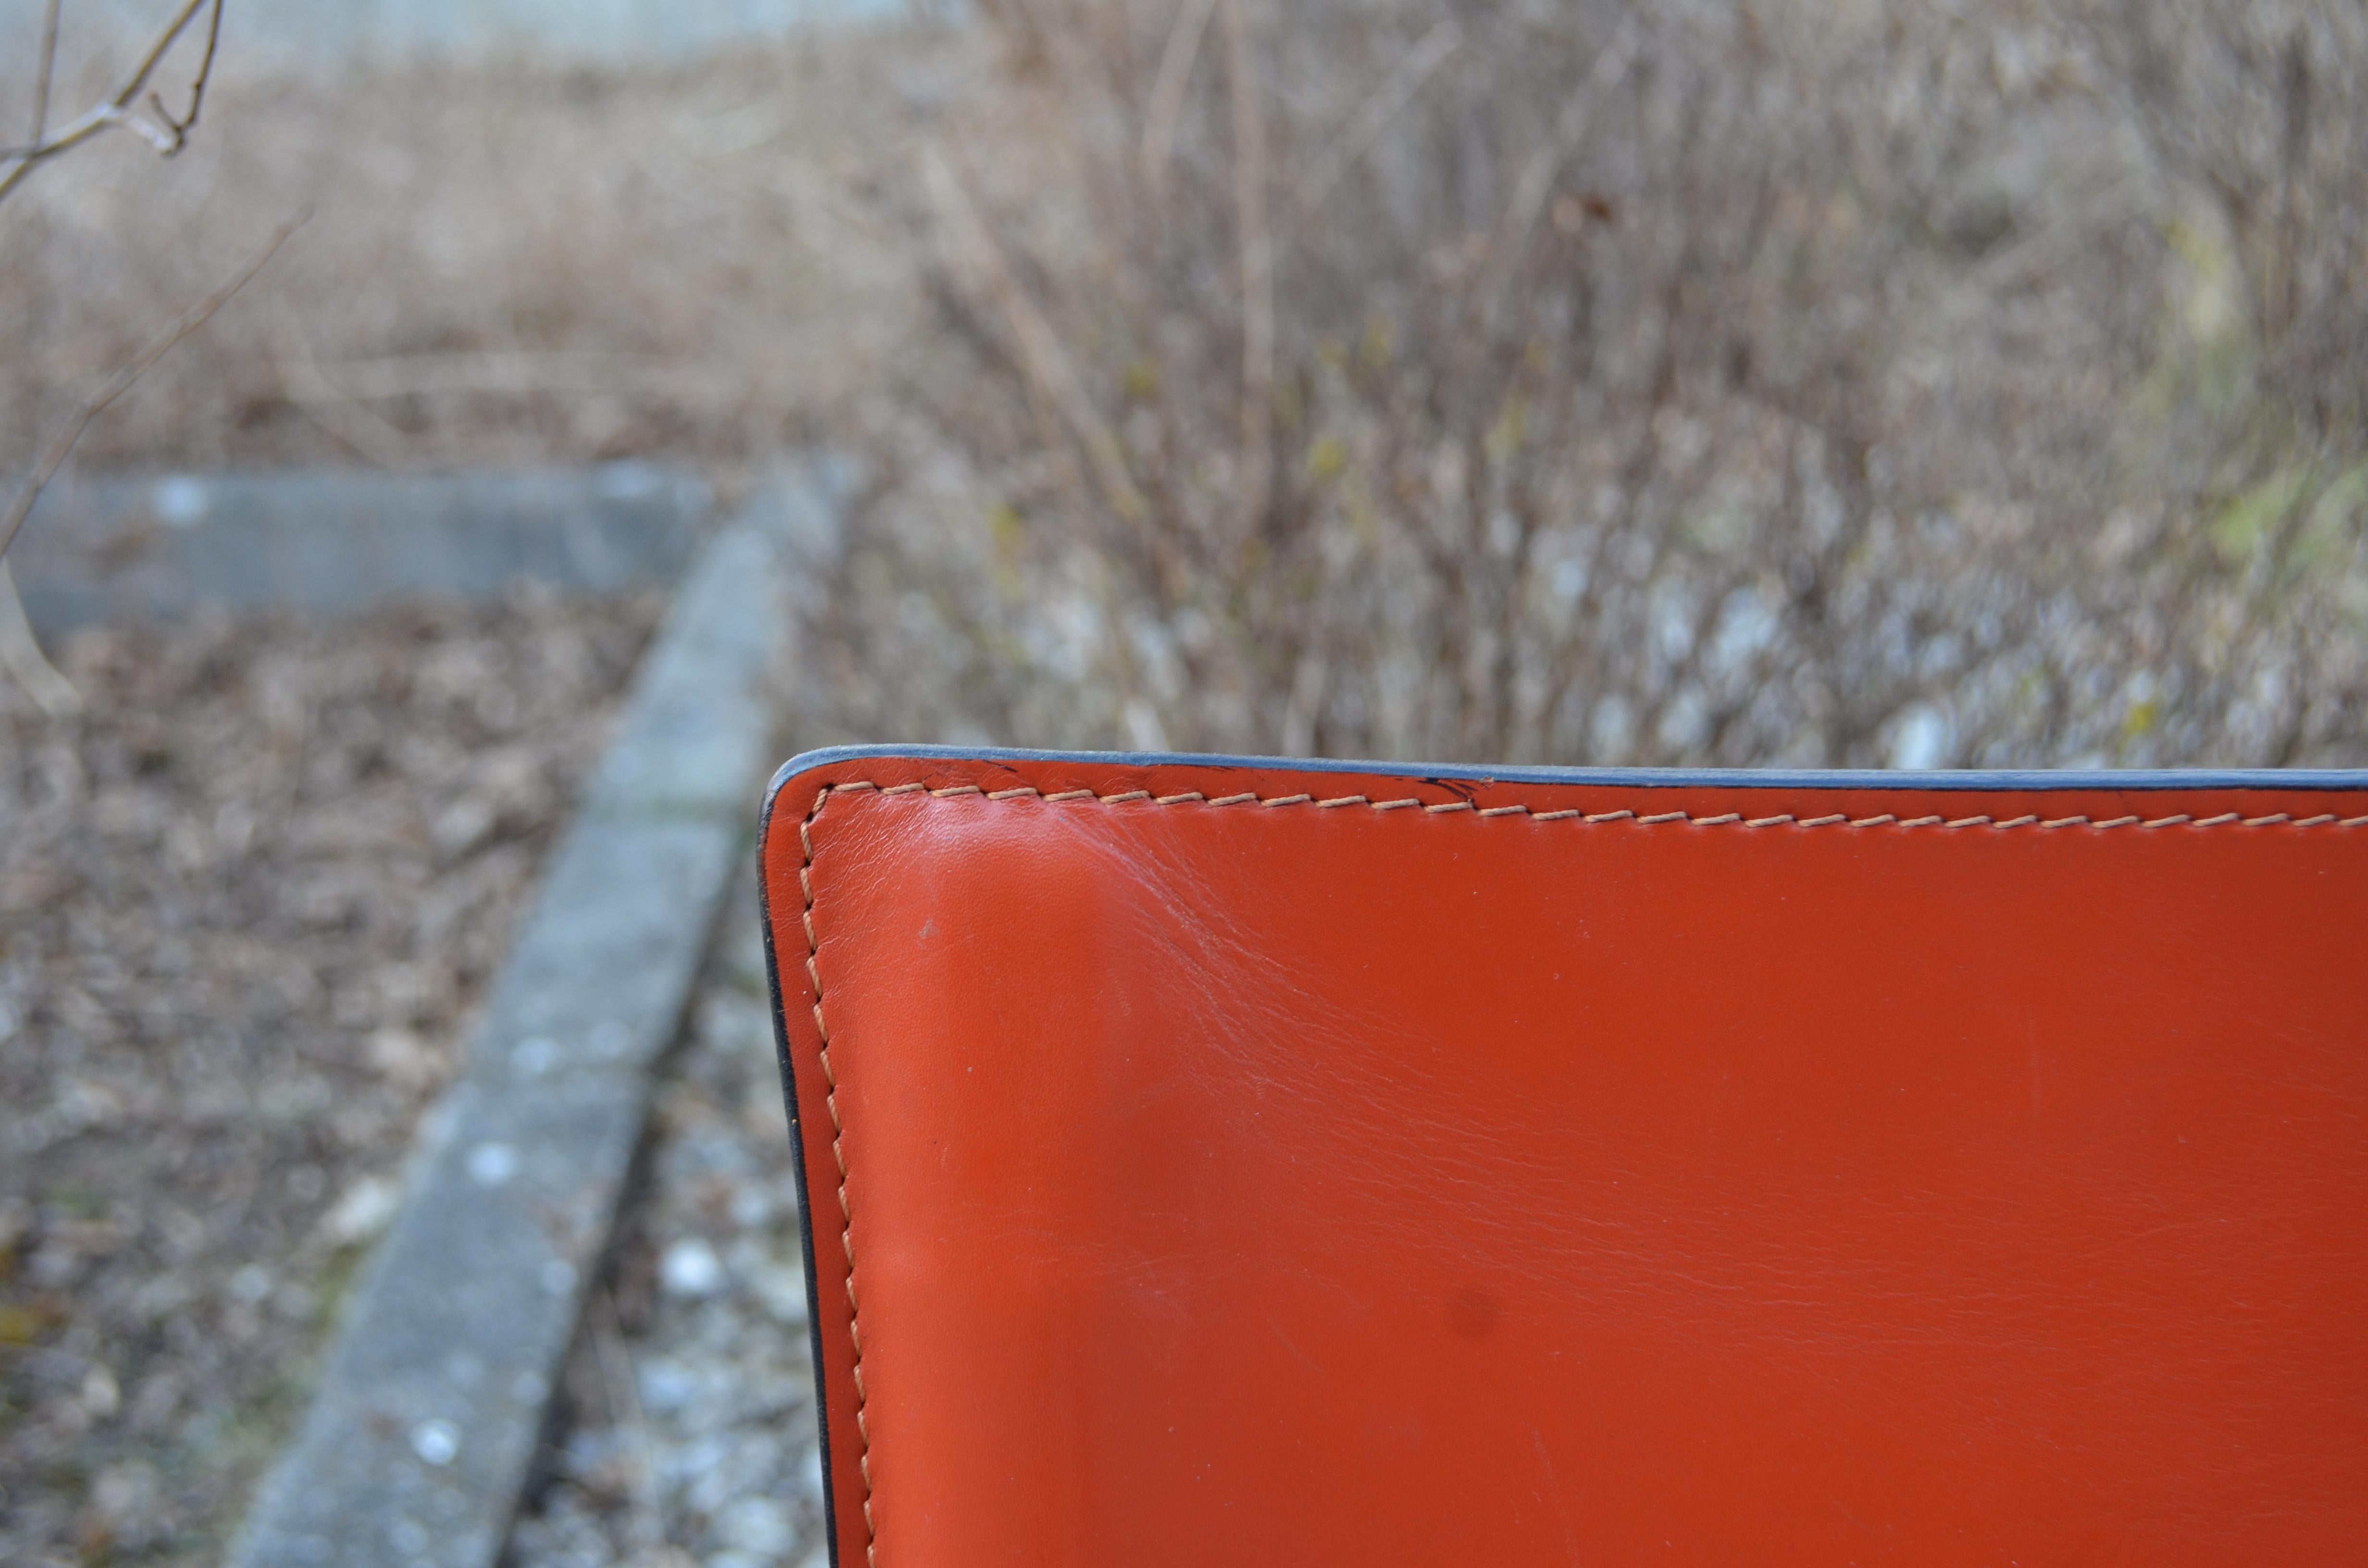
(1779, 382)
(122, 109)
(2263, 107)
(166, 132)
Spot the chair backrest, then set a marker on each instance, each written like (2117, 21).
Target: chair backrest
(1239, 1162)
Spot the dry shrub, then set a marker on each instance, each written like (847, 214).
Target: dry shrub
(1784, 382)
(506, 263)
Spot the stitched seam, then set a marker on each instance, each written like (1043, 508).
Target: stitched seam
(1594, 819)
(838, 1153)
(1461, 809)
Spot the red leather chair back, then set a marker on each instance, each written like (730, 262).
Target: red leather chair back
(1254, 1164)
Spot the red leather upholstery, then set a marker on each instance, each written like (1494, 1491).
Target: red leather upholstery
(1232, 1173)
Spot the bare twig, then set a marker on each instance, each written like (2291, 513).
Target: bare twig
(1167, 91)
(1041, 353)
(1538, 176)
(337, 411)
(1258, 269)
(519, 373)
(49, 69)
(164, 132)
(1430, 52)
(646, 1521)
(189, 119)
(53, 457)
(20, 654)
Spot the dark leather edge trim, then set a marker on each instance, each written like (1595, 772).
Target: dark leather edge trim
(797, 1163)
(1632, 777)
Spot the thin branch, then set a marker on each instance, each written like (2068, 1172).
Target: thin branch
(1046, 363)
(1430, 52)
(62, 443)
(646, 1523)
(1167, 91)
(1538, 176)
(1257, 270)
(118, 112)
(49, 69)
(334, 409)
(21, 656)
(188, 121)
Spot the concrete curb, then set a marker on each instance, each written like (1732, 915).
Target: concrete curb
(125, 546)
(435, 1388)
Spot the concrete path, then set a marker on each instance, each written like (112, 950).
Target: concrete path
(436, 1384)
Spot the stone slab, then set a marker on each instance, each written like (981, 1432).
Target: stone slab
(122, 547)
(436, 1383)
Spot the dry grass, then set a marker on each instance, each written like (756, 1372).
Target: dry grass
(502, 264)
(1783, 383)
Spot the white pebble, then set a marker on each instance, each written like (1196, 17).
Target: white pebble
(490, 1164)
(690, 1268)
(435, 1442)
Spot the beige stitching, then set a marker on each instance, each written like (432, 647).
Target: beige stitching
(1443, 808)
(839, 1132)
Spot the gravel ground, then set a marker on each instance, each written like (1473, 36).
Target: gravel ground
(248, 901)
(687, 1423)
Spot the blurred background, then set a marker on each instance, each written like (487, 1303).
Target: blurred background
(1920, 384)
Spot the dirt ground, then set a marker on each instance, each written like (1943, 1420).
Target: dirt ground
(248, 901)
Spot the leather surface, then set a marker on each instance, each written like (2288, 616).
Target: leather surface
(1281, 1181)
